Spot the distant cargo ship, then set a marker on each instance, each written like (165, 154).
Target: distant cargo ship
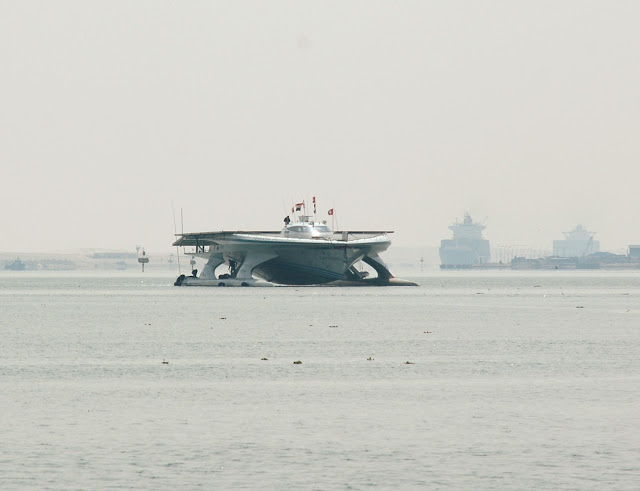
(466, 248)
(577, 243)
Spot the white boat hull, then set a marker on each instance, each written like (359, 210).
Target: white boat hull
(287, 260)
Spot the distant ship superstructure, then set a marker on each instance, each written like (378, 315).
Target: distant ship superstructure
(577, 243)
(467, 247)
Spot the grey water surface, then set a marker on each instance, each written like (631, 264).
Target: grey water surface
(515, 380)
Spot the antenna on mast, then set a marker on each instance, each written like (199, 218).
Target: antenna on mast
(175, 232)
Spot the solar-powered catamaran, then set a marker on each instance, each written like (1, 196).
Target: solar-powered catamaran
(304, 252)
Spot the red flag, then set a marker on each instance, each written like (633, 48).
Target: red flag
(330, 211)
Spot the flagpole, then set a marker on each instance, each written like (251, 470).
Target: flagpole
(333, 217)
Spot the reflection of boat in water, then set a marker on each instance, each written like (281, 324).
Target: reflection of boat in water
(304, 252)
(466, 248)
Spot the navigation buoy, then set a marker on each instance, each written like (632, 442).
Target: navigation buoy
(143, 259)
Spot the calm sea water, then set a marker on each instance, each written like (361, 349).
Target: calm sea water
(515, 381)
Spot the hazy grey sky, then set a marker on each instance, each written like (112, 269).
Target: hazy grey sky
(402, 114)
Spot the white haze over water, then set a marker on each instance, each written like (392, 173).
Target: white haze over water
(402, 115)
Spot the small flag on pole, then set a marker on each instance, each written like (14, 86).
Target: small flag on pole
(299, 206)
(330, 212)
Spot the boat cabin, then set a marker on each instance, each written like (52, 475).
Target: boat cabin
(306, 228)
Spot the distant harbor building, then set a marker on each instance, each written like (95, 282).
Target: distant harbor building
(114, 255)
(634, 251)
(16, 265)
(577, 243)
(467, 246)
